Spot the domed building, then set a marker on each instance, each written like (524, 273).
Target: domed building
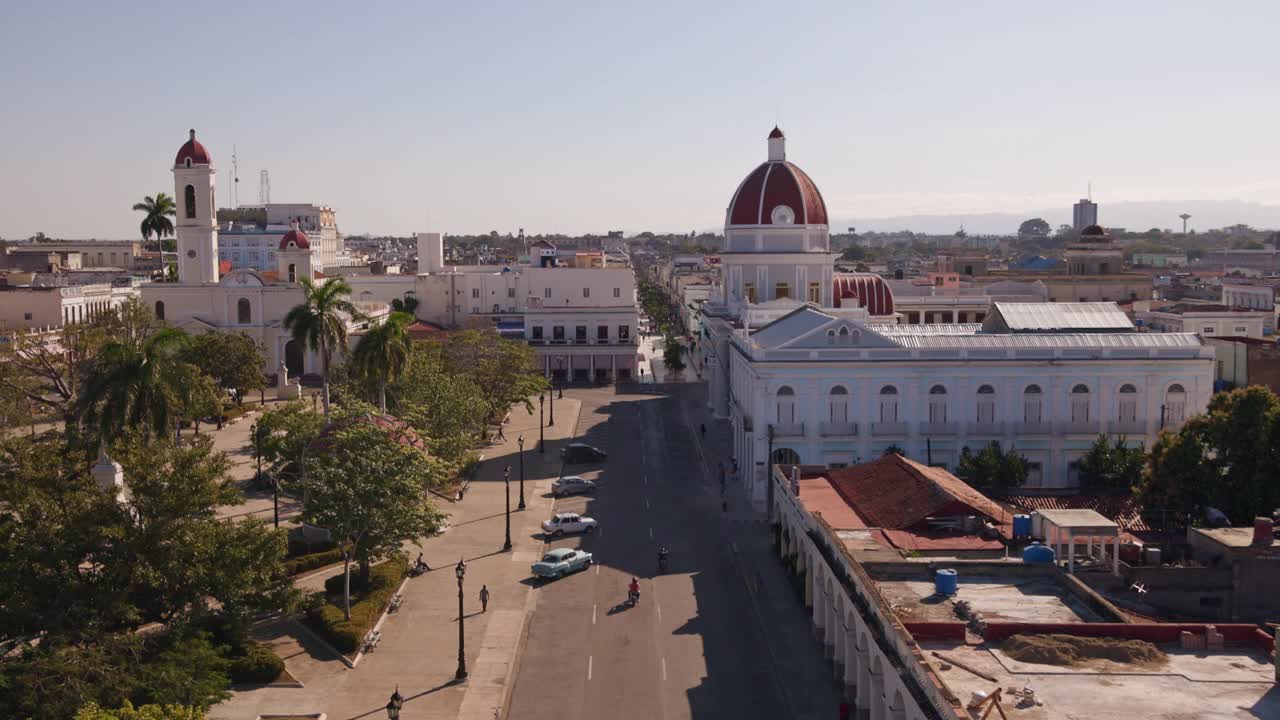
(247, 301)
(811, 366)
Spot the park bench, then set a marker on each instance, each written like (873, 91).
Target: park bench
(394, 605)
(371, 640)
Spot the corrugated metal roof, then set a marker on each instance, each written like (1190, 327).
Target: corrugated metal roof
(894, 330)
(1056, 317)
(1100, 341)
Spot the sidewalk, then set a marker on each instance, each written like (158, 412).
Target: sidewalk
(806, 679)
(419, 648)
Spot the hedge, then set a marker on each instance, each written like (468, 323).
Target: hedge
(303, 563)
(347, 635)
(258, 665)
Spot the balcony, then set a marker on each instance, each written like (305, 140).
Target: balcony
(889, 428)
(537, 341)
(837, 429)
(1033, 427)
(580, 341)
(939, 428)
(985, 428)
(1129, 427)
(1082, 427)
(788, 430)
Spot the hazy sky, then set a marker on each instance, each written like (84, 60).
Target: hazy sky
(590, 116)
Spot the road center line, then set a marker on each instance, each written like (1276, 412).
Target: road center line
(657, 608)
(593, 614)
(650, 533)
(597, 569)
(588, 667)
(664, 668)
(646, 503)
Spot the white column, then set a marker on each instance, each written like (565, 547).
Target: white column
(1115, 560)
(1071, 552)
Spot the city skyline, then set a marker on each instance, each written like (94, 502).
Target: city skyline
(571, 118)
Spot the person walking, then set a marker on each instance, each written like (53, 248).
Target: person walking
(484, 598)
(501, 436)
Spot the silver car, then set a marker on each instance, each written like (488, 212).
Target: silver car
(572, 485)
(560, 562)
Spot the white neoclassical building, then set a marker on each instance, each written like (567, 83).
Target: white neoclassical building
(246, 301)
(817, 366)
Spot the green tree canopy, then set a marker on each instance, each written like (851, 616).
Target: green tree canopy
(369, 489)
(319, 322)
(233, 360)
(993, 470)
(382, 353)
(505, 371)
(445, 406)
(285, 432)
(144, 712)
(1035, 227)
(1111, 465)
(157, 211)
(139, 385)
(1225, 458)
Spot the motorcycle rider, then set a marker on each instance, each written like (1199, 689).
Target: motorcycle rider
(633, 590)
(662, 557)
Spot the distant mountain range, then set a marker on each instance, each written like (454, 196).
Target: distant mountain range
(1132, 216)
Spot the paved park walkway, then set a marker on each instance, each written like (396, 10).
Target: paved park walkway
(418, 652)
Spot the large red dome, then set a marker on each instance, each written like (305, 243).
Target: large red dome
(295, 239)
(776, 183)
(192, 150)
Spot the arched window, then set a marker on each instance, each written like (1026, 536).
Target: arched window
(160, 309)
(888, 404)
(189, 199)
(786, 405)
(1128, 405)
(986, 404)
(1175, 405)
(1032, 404)
(786, 457)
(293, 272)
(831, 337)
(844, 336)
(839, 404)
(244, 311)
(1080, 403)
(937, 404)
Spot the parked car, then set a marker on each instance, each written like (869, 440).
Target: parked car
(572, 485)
(567, 522)
(582, 453)
(560, 562)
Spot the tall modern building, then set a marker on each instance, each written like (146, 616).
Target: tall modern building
(1084, 214)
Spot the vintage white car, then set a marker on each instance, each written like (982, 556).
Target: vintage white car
(567, 522)
(572, 485)
(560, 562)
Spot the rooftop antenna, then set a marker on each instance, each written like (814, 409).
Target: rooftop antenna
(1090, 191)
(264, 187)
(235, 177)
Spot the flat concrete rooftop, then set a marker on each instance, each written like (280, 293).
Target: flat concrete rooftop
(1235, 683)
(1008, 599)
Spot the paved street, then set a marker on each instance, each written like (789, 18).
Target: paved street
(694, 647)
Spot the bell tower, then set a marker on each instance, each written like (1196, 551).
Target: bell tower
(197, 224)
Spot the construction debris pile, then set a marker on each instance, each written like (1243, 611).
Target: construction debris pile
(1057, 649)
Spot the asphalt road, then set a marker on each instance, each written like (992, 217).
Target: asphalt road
(692, 647)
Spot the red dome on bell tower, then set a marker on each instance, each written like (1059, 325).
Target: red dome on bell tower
(192, 151)
(777, 193)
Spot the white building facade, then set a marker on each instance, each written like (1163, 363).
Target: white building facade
(246, 301)
(248, 236)
(829, 376)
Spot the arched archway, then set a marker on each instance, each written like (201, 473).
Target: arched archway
(786, 456)
(293, 358)
(159, 309)
(189, 200)
(244, 311)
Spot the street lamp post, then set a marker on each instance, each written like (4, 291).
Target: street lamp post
(461, 572)
(768, 471)
(506, 479)
(520, 444)
(551, 398)
(394, 705)
(560, 364)
(542, 440)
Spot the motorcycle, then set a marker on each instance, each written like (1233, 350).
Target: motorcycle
(633, 597)
(662, 563)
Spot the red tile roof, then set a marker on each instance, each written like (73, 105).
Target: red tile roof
(224, 267)
(1118, 507)
(897, 493)
(817, 496)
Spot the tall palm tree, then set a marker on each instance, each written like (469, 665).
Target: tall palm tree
(137, 385)
(383, 352)
(156, 221)
(320, 322)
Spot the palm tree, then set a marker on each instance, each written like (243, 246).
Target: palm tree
(383, 352)
(137, 385)
(320, 322)
(158, 211)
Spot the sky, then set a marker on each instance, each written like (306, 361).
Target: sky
(576, 117)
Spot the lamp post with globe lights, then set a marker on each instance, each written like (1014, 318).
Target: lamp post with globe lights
(461, 571)
(520, 444)
(394, 705)
(542, 439)
(506, 480)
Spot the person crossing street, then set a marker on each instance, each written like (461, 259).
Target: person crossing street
(484, 598)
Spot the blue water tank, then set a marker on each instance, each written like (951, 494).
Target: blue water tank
(1037, 553)
(1021, 526)
(945, 582)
